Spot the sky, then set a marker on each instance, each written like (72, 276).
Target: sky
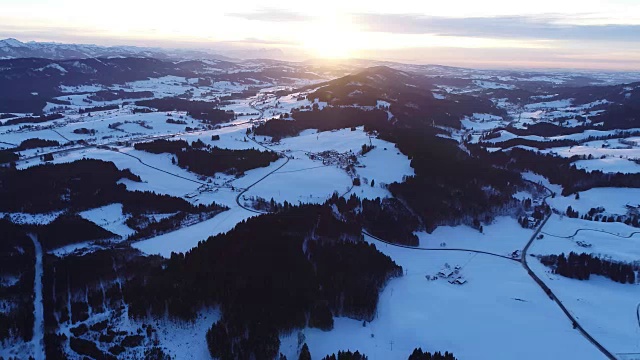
(586, 34)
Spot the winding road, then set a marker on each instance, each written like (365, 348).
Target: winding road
(548, 291)
(39, 321)
(522, 260)
(594, 230)
(439, 249)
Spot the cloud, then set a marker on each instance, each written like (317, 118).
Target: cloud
(272, 15)
(549, 27)
(504, 58)
(257, 41)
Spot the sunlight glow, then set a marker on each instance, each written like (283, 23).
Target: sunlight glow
(302, 30)
(330, 39)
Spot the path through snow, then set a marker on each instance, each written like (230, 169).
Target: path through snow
(38, 307)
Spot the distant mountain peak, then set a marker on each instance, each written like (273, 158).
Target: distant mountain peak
(14, 49)
(12, 42)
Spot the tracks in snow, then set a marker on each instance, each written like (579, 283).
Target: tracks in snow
(440, 249)
(595, 230)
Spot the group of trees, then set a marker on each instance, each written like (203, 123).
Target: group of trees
(35, 143)
(418, 354)
(595, 214)
(209, 162)
(581, 266)
(449, 185)
(203, 159)
(84, 131)
(142, 205)
(148, 202)
(387, 218)
(17, 261)
(69, 229)
(72, 294)
(113, 95)
(177, 122)
(317, 268)
(81, 184)
(329, 118)
(411, 100)
(89, 110)
(346, 355)
(201, 110)
(7, 156)
(32, 119)
(558, 170)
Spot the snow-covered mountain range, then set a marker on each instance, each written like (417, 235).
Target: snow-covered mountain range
(14, 49)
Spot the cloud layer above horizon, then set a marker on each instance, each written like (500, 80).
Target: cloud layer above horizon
(587, 34)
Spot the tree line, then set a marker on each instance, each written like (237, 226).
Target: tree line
(581, 266)
(203, 159)
(201, 110)
(558, 170)
(595, 214)
(319, 267)
(17, 261)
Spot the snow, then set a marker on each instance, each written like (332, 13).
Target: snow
(38, 326)
(80, 88)
(539, 179)
(186, 238)
(186, 340)
(11, 42)
(481, 122)
(523, 195)
(109, 217)
(587, 133)
(32, 219)
(383, 166)
(506, 136)
(614, 200)
(499, 302)
(493, 85)
(310, 184)
(502, 237)
(606, 309)
(300, 180)
(609, 165)
(382, 103)
(549, 104)
(615, 240)
(607, 155)
(53, 66)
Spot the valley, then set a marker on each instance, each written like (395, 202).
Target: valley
(244, 209)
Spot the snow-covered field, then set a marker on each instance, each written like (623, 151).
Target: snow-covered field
(185, 239)
(110, 218)
(608, 310)
(617, 241)
(613, 200)
(502, 237)
(499, 313)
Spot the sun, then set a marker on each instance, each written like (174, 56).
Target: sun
(329, 40)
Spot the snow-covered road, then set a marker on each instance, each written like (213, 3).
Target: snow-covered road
(38, 307)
